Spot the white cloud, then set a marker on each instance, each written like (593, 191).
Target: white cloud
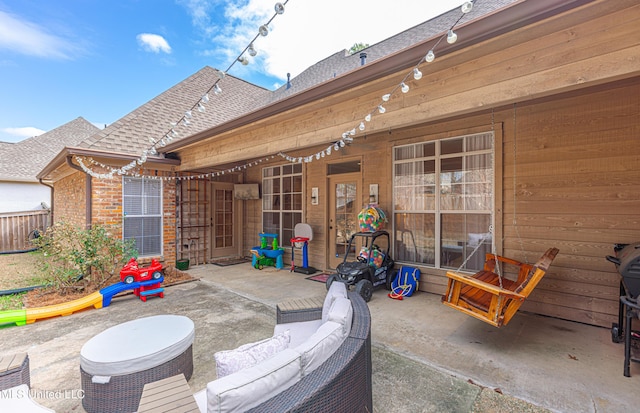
(308, 31)
(28, 38)
(18, 134)
(153, 43)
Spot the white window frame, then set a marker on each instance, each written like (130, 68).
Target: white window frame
(438, 185)
(144, 213)
(281, 211)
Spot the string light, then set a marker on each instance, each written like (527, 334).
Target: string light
(452, 37)
(430, 57)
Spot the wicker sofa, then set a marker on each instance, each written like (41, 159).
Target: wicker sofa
(341, 383)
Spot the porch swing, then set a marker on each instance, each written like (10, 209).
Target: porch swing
(487, 295)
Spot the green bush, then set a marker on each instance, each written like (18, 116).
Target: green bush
(73, 258)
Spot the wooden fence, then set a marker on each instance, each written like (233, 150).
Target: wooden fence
(17, 228)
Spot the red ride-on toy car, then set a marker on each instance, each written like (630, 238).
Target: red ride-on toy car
(131, 272)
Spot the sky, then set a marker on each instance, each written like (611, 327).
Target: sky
(101, 59)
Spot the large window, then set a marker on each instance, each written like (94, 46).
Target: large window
(443, 192)
(281, 200)
(142, 204)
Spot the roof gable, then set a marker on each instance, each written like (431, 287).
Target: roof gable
(23, 160)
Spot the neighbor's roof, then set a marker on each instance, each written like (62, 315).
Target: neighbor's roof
(23, 160)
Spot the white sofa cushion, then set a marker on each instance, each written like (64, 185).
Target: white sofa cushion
(299, 331)
(320, 346)
(341, 312)
(249, 387)
(247, 355)
(337, 289)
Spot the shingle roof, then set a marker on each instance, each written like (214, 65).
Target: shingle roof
(132, 133)
(23, 160)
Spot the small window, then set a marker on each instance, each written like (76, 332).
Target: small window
(343, 168)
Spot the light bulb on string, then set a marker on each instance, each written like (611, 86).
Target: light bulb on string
(279, 8)
(216, 89)
(221, 74)
(430, 56)
(186, 122)
(205, 98)
(467, 7)
(452, 37)
(386, 97)
(251, 50)
(404, 87)
(200, 107)
(263, 30)
(243, 60)
(417, 74)
(368, 117)
(188, 114)
(381, 109)
(361, 127)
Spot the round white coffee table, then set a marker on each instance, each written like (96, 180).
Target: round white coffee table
(117, 363)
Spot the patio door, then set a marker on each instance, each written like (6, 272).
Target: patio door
(224, 228)
(344, 205)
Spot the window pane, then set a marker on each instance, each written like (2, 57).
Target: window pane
(462, 234)
(451, 146)
(415, 238)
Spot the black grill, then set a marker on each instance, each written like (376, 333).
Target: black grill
(627, 261)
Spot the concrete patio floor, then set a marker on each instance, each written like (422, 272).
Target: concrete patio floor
(426, 357)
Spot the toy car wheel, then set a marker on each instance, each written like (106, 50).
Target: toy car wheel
(391, 277)
(128, 279)
(330, 280)
(156, 275)
(365, 289)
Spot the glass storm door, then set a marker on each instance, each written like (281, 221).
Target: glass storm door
(343, 215)
(223, 239)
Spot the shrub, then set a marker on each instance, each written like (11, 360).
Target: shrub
(73, 258)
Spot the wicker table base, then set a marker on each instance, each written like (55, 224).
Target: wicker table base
(122, 393)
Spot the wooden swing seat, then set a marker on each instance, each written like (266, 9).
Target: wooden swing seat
(481, 296)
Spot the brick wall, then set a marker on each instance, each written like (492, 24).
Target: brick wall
(69, 200)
